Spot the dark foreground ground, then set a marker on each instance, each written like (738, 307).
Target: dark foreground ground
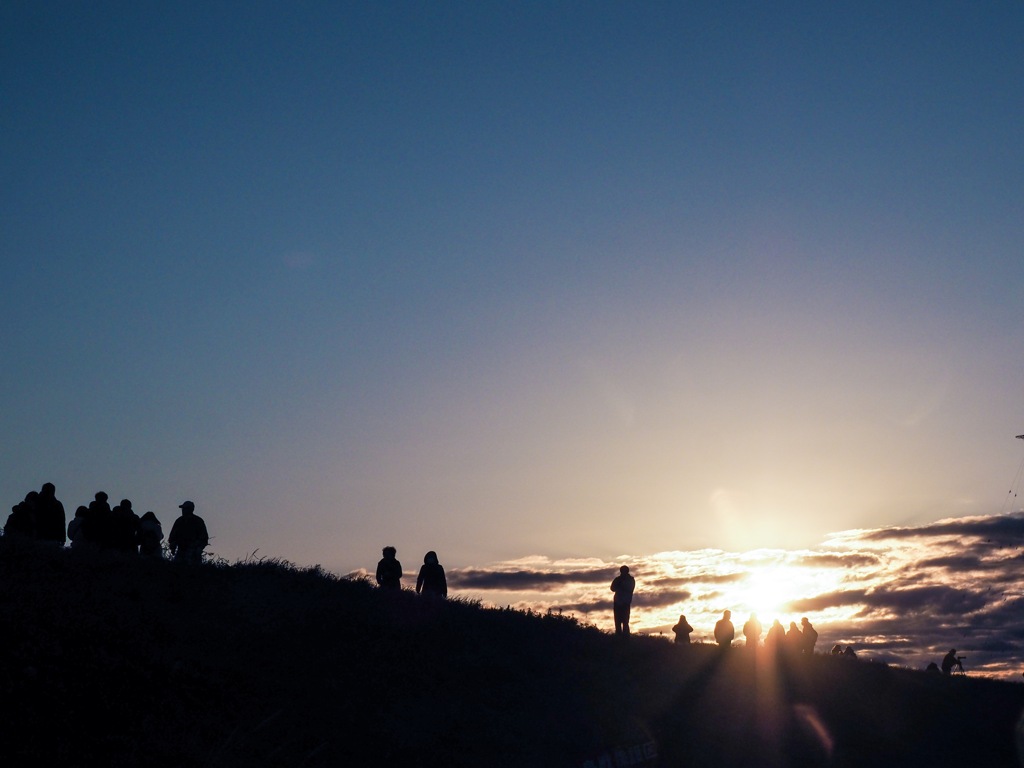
(109, 661)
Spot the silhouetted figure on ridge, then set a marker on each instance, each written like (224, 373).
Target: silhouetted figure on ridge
(97, 521)
(389, 570)
(623, 586)
(809, 637)
(752, 631)
(794, 639)
(124, 528)
(682, 630)
(188, 536)
(21, 523)
(837, 650)
(849, 653)
(776, 638)
(151, 534)
(724, 630)
(949, 662)
(431, 582)
(50, 517)
(76, 528)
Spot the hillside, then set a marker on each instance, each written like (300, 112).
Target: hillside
(122, 662)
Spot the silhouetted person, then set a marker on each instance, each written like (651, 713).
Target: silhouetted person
(932, 668)
(151, 533)
(949, 662)
(752, 631)
(794, 639)
(50, 518)
(76, 528)
(188, 536)
(724, 630)
(389, 570)
(682, 630)
(21, 522)
(837, 650)
(849, 653)
(124, 528)
(809, 637)
(776, 637)
(431, 581)
(97, 521)
(623, 586)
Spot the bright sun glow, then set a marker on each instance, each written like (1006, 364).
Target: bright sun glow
(769, 589)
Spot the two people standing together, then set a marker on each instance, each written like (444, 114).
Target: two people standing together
(430, 582)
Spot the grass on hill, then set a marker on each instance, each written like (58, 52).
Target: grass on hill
(118, 661)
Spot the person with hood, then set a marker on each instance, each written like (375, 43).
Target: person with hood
(188, 536)
(776, 637)
(682, 630)
(431, 582)
(151, 533)
(724, 630)
(389, 570)
(623, 586)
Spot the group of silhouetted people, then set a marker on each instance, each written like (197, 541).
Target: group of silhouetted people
(797, 641)
(40, 517)
(430, 582)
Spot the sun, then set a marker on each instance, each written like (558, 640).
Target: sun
(768, 590)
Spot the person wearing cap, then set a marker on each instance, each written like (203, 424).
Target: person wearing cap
(188, 536)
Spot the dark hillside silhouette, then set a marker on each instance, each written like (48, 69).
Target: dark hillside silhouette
(124, 661)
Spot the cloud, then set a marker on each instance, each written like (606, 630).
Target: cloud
(1005, 529)
(524, 580)
(898, 595)
(839, 560)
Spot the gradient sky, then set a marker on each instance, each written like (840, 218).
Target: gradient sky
(561, 281)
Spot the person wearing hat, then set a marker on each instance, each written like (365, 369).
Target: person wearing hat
(188, 536)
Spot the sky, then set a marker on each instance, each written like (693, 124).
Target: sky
(544, 287)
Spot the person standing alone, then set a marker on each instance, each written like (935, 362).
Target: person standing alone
(188, 536)
(623, 586)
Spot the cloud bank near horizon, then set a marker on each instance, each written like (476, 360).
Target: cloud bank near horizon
(900, 595)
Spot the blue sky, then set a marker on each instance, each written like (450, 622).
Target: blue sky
(561, 280)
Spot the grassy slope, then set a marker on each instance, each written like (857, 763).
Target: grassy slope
(117, 661)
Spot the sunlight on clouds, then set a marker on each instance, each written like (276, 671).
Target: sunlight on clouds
(900, 595)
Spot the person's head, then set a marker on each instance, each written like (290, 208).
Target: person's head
(792, 625)
(187, 508)
(150, 517)
(48, 489)
(624, 570)
(101, 496)
(81, 512)
(952, 651)
(389, 551)
(430, 558)
(804, 621)
(126, 505)
(726, 614)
